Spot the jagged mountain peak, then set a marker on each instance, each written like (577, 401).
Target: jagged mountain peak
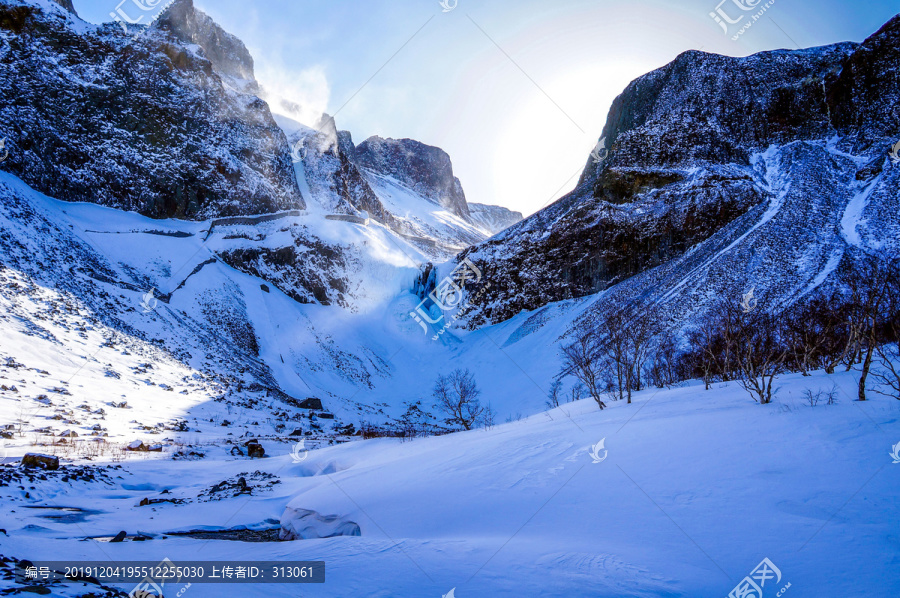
(426, 169)
(67, 4)
(227, 53)
(493, 219)
(769, 97)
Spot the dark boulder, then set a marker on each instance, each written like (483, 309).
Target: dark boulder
(311, 403)
(35, 460)
(120, 537)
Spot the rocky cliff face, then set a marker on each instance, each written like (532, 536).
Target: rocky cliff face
(67, 4)
(424, 168)
(493, 218)
(149, 123)
(226, 52)
(340, 179)
(698, 151)
(333, 179)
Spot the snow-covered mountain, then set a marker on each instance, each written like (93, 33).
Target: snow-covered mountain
(494, 219)
(169, 123)
(157, 123)
(341, 178)
(715, 174)
(695, 199)
(228, 288)
(424, 169)
(182, 270)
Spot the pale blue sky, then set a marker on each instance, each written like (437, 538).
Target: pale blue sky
(520, 120)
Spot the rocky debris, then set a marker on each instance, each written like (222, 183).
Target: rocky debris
(39, 461)
(12, 477)
(188, 455)
(255, 449)
(304, 524)
(139, 447)
(311, 403)
(239, 485)
(236, 535)
(146, 502)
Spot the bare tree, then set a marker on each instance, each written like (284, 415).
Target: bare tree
(713, 341)
(663, 369)
(609, 357)
(577, 391)
(758, 350)
(554, 393)
(888, 374)
(820, 333)
(457, 398)
(704, 351)
(641, 328)
(871, 282)
(612, 348)
(580, 359)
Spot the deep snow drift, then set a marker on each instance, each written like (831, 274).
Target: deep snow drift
(692, 490)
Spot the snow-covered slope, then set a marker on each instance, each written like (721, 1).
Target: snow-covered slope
(670, 506)
(274, 305)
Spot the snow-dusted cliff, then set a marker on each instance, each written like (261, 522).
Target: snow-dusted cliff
(717, 174)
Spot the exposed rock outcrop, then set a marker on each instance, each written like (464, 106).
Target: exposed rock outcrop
(67, 4)
(227, 53)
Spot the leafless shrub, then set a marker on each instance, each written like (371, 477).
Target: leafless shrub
(457, 398)
(554, 393)
(609, 356)
(887, 376)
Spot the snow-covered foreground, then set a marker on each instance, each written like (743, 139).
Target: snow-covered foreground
(693, 490)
